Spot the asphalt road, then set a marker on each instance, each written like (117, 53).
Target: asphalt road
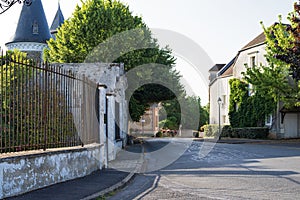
(181, 169)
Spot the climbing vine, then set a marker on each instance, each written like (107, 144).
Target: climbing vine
(248, 111)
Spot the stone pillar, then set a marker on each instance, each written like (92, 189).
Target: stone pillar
(123, 122)
(102, 127)
(110, 97)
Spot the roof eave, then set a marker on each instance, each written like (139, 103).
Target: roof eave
(256, 45)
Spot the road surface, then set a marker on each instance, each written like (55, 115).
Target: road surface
(229, 171)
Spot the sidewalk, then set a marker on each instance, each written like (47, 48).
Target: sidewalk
(250, 141)
(94, 185)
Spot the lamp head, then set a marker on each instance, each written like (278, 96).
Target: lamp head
(219, 100)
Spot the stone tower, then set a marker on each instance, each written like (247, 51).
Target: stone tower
(32, 31)
(57, 22)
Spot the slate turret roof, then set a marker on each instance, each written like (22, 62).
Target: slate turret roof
(32, 25)
(57, 21)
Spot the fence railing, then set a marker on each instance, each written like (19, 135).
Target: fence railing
(44, 106)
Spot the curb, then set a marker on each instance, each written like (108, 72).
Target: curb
(120, 184)
(111, 188)
(233, 141)
(250, 141)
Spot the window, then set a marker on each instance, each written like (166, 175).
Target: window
(35, 28)
(250, 90)
(224, 119)
(269, 119)
(224, 99)
(252, 61)
(236, 107)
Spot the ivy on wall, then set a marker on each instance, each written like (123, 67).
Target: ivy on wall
(245, 110)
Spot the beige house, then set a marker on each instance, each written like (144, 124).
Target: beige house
(149, 122)
(283, 123)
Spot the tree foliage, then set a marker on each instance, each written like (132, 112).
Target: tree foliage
(92, 34)
(187, 112)
(280, 78)
(12, 72)
(287, 48)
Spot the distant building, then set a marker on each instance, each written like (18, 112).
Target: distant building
(149, 122)
(32, 32)
(283, 123)
(219, 88)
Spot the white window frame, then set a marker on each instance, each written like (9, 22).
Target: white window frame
(223, 101)
(252, 61)
(269, 120)
(251, 91)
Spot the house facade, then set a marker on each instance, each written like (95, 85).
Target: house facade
(282, 123)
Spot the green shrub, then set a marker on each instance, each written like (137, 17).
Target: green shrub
(251, 132)
(211, 130)
(227, 131)
(159, 134)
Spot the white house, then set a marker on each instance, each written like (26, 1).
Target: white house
(283, 123)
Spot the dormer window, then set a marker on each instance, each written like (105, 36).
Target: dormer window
(35, 28)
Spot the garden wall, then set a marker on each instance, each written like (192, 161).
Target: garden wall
(27, 171)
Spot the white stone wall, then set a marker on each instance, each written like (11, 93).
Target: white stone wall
(244, 57)
(24, 172)
(220, 88)
(102, 126)
(111, 127)
(112, 85)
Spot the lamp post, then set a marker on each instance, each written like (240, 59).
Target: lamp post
(219, 103)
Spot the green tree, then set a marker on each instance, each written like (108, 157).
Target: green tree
(12, 71)
(187, 111)
(287, 45)
(92, 35)
(280, 79)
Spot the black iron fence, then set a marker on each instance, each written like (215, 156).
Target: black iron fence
(43, 106)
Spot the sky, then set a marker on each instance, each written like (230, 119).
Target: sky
(220, 27)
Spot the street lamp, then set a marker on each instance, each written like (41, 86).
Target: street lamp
(219, 103)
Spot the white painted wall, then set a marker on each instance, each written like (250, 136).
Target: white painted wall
(244, 58)
(220, 88)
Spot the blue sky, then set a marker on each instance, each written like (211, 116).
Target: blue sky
(220, 27)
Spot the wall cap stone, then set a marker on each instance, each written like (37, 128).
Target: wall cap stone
(38, 153)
